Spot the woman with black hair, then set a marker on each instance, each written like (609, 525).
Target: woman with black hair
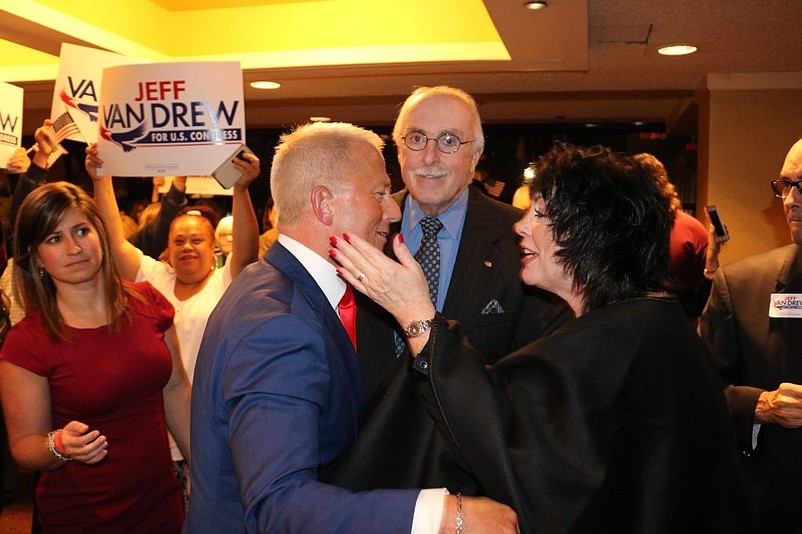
(615, 422)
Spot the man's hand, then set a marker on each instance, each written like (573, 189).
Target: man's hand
(783, 406)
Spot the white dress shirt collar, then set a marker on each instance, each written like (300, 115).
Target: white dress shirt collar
(323, 272)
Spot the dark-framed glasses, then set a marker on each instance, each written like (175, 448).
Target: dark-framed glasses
(446, 143)
(782, 188)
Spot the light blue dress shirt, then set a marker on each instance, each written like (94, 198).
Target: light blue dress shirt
(448, 238)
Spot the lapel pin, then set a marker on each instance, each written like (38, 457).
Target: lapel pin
(488, 264)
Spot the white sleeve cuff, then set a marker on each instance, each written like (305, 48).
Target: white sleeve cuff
(429, 511)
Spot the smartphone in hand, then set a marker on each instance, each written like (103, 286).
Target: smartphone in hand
(718, 226)
(227, 174)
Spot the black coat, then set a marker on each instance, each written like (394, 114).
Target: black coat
(615, 423)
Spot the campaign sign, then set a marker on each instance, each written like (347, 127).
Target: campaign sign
(170, 119)
(10, 121)
(77, 88)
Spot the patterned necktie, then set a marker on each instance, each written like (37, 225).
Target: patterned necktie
(347, 310)
(428, 255)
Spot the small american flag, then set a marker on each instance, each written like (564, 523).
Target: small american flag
(64, 127)
(494, 187)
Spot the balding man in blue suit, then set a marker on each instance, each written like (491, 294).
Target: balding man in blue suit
(277, 395)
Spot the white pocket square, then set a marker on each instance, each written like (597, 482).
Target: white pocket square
(492, 307)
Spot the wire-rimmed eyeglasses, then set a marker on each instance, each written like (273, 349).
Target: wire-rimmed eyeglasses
(782, 188)
(447, 143)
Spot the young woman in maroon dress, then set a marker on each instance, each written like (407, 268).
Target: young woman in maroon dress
(92, 377)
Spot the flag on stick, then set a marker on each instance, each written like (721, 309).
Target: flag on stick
(64, 127)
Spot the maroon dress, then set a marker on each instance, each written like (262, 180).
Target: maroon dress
(113, 382)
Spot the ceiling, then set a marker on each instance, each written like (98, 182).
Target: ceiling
(356, 60)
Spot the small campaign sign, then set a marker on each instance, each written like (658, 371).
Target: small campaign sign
(785, 305)
(10, 121)
(78, 85)
(168, 119)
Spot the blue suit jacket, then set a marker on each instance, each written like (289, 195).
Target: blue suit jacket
(277, 397)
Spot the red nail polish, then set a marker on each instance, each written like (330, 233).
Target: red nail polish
(333, 241)
(401, 238)
(332, 253)
(347, 238)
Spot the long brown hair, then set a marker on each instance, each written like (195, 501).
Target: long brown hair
(38, 217)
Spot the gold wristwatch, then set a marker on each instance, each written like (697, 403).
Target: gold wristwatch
(417, 328)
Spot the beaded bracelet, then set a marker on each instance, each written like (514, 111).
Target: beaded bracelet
(460, 516)
(51, 444)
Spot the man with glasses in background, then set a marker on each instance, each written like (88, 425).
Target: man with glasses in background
(466, 246)
(752, 326)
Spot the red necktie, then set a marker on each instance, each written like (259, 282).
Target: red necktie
(347, 309)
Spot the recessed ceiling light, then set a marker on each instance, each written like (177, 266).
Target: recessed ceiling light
(677, 50)
(534, 6)
(320, 119)
(263, 84)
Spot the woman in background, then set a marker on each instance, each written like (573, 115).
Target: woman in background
(188, 278)
(92, 377)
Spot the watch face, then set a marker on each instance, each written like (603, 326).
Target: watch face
(416, 328)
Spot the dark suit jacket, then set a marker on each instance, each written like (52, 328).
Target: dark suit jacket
(613, 424)
(276, 398)
(399, 445)
(756, 353)
(486, 268)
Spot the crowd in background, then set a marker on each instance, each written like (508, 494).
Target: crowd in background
(576, 362)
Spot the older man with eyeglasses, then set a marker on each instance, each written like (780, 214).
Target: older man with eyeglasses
(466, 246)
(752, 326)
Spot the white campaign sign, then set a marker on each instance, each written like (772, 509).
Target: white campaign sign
(78, 85)
(170, 119)
(10, 121)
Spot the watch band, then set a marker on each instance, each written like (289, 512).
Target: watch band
(417, 328)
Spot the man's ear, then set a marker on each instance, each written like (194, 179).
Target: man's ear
(475, 157)
(321, 198)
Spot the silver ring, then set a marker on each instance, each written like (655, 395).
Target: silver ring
(360, 277)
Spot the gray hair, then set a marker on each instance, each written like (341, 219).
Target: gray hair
(442, 90)
(313, 154)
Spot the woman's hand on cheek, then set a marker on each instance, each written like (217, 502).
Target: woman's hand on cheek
(399, 287)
